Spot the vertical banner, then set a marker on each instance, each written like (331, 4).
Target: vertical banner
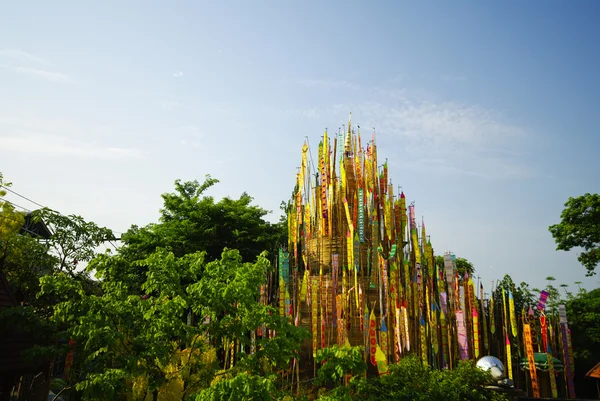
(383, 338)
(542, 301)
(475, 332)
(492, 314)
(361, 215)
(566, 359)
(449, 269)
(284, 266)
(508, 357)
(463, 342)
(397, 332)
(405, 330)
(340, 320)
(552, 375)
(281, 297)
(315, 314)
(373, 337)
(531, 362)
(334, 284)
(433, 327)
(544, 330)
(444, 329)
(513, 316)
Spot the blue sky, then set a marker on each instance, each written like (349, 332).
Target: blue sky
(487, 112)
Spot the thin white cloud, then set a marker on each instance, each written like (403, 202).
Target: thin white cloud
(444, 137)
(24, 56)
(453, 78)
(40, 74)
(58, 137)
(55, 145)
(178, 74)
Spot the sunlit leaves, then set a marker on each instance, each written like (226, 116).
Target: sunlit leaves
(580, 227)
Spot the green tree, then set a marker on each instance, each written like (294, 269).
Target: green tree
(337, 362)
(411, 380)
(73, 240)
(583, 314)
(125, 337)
(522, 295)
(190, 221)
(462, 265)
(580, 228)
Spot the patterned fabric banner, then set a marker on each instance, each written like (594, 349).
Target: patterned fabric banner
(531, 362)
(567, 360)
(542, 301)
(361, 215)
(463, 341)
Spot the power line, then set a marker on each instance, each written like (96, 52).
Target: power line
(14, 204)
(21, 196)
(32, 201)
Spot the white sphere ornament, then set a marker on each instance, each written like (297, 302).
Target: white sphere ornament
(493, 365)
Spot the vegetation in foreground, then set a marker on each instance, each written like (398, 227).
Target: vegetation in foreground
(152, 320)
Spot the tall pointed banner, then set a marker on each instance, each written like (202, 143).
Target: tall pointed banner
(334, 284)
(531, 362)
(383, 339)
(398, 330)
(405, 330)
(445, 349)
(433, 326)
(513, 316)
(564, 328)
(423, 340)
(373, 337)
(507, 341)
(475, 332)
(483, 319)
(315, 314)
(542, 301)
(361, 215)
(492, 314)
(463, 342)
(382, 365)
(508, 357)
(281, 297)
(552, 375)
(544, 332)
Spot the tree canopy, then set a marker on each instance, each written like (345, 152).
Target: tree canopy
(190, 221)
(583, 313)
(462, 265)
(580, 228)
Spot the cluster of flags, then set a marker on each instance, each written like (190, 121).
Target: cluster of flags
(359, 270)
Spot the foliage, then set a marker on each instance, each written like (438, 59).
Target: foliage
(122, 334)
(522, 295)
(190, 221)
(583, 314)
(580, 227)
(73, 239)
(339, 362)
(240, 388)
(411, 380)
(119, 335)
(462, 265)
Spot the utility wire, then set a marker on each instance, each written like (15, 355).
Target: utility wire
(14, 204)
(21, 196)
(32, 201)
